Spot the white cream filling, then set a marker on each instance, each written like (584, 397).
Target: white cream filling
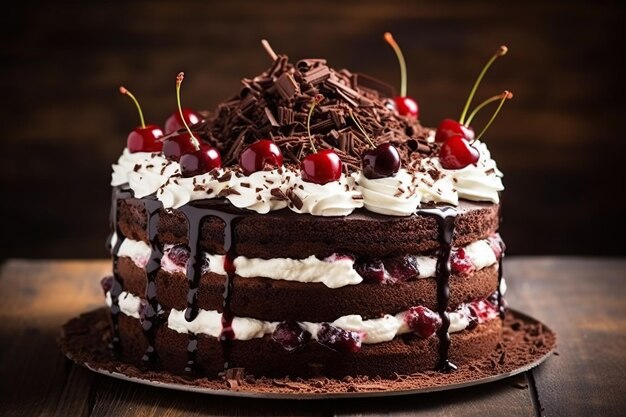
(128, 303)
(334, 272)
(264, 191)
(139, 252)
(209, 322)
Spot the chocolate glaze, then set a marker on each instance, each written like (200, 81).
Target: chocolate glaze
(118, 194)
(446, 218)
(151, 310)
(196, 212)
(501, 307)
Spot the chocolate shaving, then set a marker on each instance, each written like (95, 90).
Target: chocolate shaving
(295, 200)
(225, 177)
(275, 105)
(287, 86)
(278, 194)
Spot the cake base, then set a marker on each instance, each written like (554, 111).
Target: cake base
(526, 343)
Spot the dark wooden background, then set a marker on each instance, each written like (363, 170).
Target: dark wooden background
(560, 141)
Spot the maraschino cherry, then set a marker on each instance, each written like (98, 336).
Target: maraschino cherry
(319, 167)
(379, 161)
(457, 152)
(260, 155)
(175, 146)
(405, 106)
(204, 157)
(175, 121)
(143, 138)
(449, 127)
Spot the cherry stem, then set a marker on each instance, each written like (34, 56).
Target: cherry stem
(316, 100)
(358, 124)
(481, 106)
(269, 49)
(500, 52)
(391, 41)
(124, 91)
(505, 96)
(179, 80)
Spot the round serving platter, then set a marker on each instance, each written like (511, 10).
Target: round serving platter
(526, 343)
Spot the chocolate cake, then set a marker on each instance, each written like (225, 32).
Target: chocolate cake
(309, 225)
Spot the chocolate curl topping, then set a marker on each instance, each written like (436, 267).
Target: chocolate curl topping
(275, 105)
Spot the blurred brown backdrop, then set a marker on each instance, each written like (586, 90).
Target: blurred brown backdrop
(559, 142)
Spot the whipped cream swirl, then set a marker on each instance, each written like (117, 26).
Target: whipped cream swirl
(335, 198)
(264, 191)
(394, 196)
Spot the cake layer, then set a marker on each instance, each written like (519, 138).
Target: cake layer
(291, 235)
(274, 300)
(405, 354)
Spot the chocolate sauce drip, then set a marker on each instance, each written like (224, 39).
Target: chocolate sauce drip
(151, 309)
(501, 308)
(195, 212)
(446, 218)
(118, 194)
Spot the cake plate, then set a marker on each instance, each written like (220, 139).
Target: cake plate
(526, 343)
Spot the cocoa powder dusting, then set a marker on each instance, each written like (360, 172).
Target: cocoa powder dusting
(83, 339)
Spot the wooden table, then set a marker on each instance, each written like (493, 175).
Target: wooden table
(583, 300)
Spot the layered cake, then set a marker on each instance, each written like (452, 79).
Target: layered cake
(309, 225)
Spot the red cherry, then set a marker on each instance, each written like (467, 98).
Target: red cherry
(261, 154)
(380, 162)
(178, 145)
(198, 162)
(321, 167)
(449, 127)
(145, 139)
(406, 106)
(174, 122)
(423, 321)
(457, 153)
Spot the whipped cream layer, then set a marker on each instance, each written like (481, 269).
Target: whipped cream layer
(334, 271)
(384, 329)
(129, 304)
(265, 191)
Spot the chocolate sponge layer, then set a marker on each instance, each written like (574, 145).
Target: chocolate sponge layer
(405, 354)
(285, 234)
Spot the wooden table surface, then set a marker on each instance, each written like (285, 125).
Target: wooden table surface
(583, 300)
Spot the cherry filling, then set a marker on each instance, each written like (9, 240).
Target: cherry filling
(483, 310)
(423, 321)
(497, 245)
(338, 339)
(106, 283)
(291, 336)
(388, 270)
(179, 256)
(460, 263)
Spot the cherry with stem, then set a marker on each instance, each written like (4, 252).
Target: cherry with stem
(204, 158)
(449, 127)
(145, 137)
(319, 167)
(406, 106)
(379, 161)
